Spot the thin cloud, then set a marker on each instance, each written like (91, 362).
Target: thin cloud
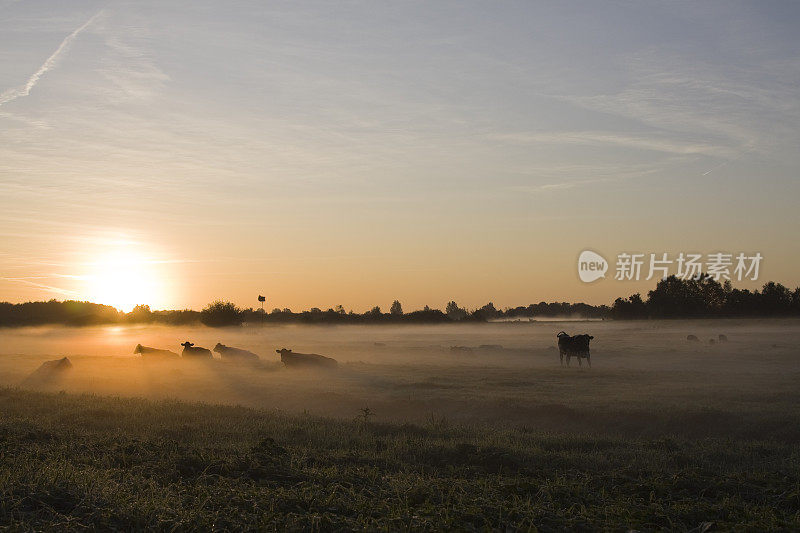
(25, 90)
(27, 281)
(642, 142)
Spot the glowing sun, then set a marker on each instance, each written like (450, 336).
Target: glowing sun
(123, 279)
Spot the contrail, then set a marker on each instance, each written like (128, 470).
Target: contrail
(741, 154)
(707, 172)
(63, 292)
(25, 90)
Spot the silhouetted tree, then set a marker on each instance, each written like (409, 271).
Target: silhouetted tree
(140, 314)
(629, 308)
(487, 312)
(454, 312)
(396, 309)
(220, 313)
(775, 299)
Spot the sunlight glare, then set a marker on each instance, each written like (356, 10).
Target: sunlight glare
(124, 278)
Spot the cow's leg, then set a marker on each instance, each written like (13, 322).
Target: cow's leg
(568, 358)
(561, 356)
(589, 359)
(579, 361)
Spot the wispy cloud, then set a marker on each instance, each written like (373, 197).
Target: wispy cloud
(25, 90)
(643, 142)
(29, 281)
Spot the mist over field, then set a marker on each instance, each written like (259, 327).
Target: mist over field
(401, 219)
(501, 373)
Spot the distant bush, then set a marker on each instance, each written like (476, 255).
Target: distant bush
(221, 313)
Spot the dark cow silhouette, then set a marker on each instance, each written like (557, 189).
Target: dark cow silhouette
(461, 349)
(195, 352)
(692, 338)
(237, 354)
(577, 346)
(292, 359)
(723, 338)
(49, 372)
(146, 351)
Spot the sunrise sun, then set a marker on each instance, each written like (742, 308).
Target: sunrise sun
(123, 279)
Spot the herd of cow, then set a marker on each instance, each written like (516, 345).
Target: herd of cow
(190, 351)
(720, 338)
(568, 346)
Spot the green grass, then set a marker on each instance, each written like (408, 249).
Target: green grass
(79, 461)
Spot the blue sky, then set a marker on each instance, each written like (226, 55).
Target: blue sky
(357, 152)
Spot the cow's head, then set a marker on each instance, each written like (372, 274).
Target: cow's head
(138, 349)
(187, 344)
(562, 334)
(283, 351)
(219, 347)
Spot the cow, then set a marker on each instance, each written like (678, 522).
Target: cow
(577, 346)
(293, 359)
(237, 354)
(461, 349)
(563, 342)
(49, 373)
(195, 352)
(146, 351)
(692, 338)
(723, 338)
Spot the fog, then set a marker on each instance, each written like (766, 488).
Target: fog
(412, 373)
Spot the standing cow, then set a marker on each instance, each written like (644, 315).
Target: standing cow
(577, 346)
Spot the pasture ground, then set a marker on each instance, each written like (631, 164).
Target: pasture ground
(659, 434)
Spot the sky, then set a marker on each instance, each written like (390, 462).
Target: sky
(353, 153)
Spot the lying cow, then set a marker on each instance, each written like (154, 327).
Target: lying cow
(49, 373)
(692, 338)
(195, 352)
(236, 354)
(577, 346)
(292, 359)
(146, 351)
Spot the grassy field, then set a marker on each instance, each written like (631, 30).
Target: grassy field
(78, 461)
(660, 435)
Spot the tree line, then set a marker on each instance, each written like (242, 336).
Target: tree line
(672, 297)
(223, 313)
(706, 297)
